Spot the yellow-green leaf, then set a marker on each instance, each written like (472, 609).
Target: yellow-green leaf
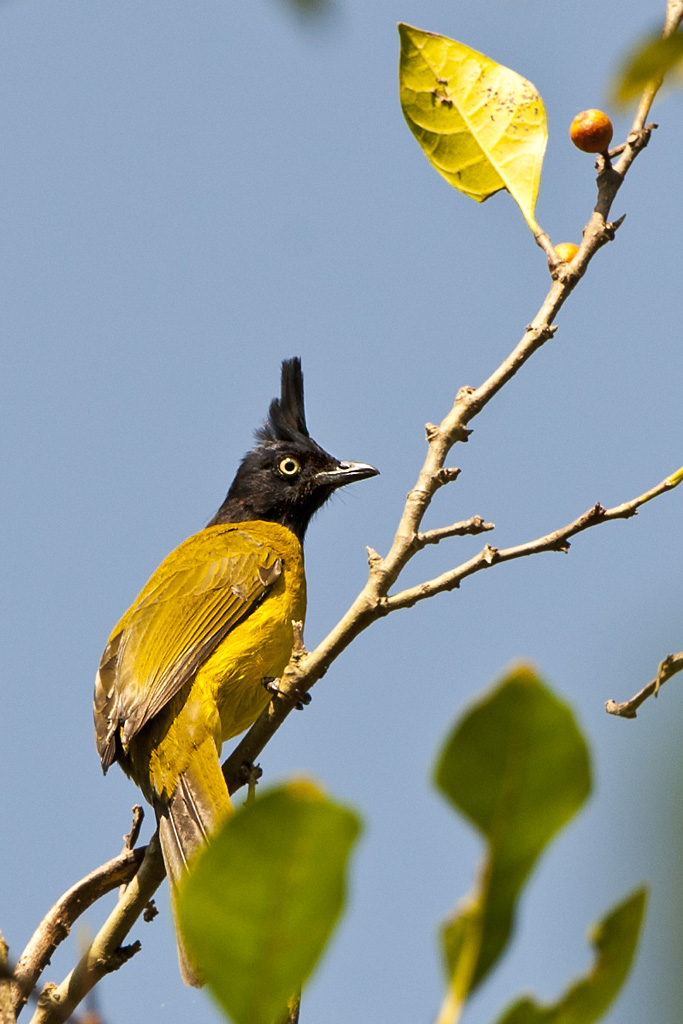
(652, 59)
(481, 125)
(261, 901)
(614, 941)
(517, 766)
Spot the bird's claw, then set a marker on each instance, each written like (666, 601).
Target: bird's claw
(301, 699)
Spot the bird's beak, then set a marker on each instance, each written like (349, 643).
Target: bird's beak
(346, 473)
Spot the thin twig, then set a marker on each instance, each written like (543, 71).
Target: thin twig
(557, 540)
(131, 838)
(672, 664)
(673, 18)
(469, 526)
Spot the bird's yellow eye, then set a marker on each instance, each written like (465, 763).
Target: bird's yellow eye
(289, 466)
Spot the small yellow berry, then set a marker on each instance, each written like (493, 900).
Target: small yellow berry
(566, 251)
(591, 131)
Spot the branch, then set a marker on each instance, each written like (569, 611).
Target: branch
(558, 540)
(58, 921)
(304, 671)
(672, 19)
(106, 952)
(470, 526)
(672, 664)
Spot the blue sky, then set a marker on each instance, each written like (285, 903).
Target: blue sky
(192, 192)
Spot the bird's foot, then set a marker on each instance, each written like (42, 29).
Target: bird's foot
(300, 699)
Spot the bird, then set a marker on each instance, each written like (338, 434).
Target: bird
(193, 661)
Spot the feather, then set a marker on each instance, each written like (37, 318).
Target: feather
(286, 415)
(196, 808)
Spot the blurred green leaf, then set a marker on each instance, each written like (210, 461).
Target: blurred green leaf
(652, 59)
(309, 8)
(517, 766)
(481, 125)
(614, 940)
(261, 901)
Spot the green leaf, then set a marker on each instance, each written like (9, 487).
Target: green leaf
(614, 940)
(652, 59)
(481, 125)
(517, 766)
(261, 901)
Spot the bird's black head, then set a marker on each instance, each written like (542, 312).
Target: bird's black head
(287, 476)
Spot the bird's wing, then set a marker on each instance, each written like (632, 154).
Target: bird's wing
(193, 600)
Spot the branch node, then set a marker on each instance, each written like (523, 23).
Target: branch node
(490, 554)
(639, 139)
(432, 431)
(611, 227)
(150, 911)
(664, 671)
(596, 513)
(668, 667)
(49, 994)
(543, 332)
(620, 710)
(562, 271)
(609, 179)
(119, 957)
(298, 648)
(375, 560)
(447, 475)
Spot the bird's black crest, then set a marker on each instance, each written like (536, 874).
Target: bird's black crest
(286, 416)
(287, 476)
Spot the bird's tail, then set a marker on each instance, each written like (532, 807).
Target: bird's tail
(199, 804)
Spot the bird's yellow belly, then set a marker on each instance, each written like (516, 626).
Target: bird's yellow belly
(256, 650)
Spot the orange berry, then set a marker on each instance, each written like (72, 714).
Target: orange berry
(566, 251)
(591, 131)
